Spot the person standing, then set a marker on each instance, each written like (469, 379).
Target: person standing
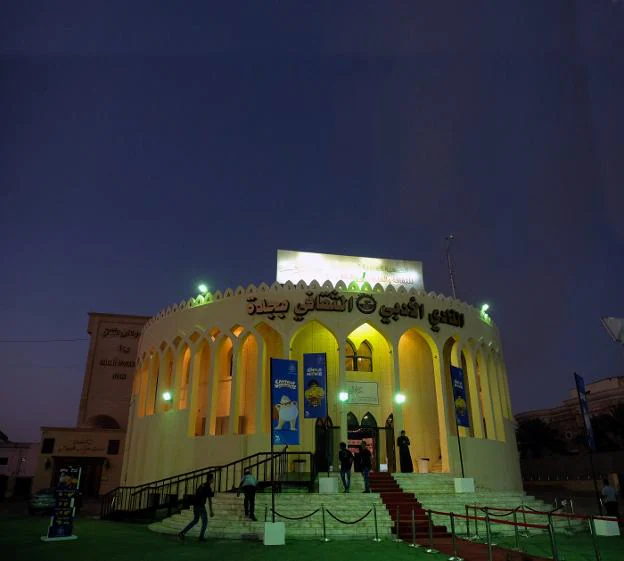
(366, 462)
(202, 493)
(404, 454)
(248, 485)
(346, 461)
(609, 498)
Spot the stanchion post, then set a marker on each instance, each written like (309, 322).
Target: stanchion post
(553, 546)
(430, 548)
(592, 531)
(476, 515)
(413, 544)
(467, 523)
(453, 557)
(526, 529)
(516, 532)
(325, 538)
(488, 534)
(553, 538)
(376, 529)
(397, 538)
(266, 510)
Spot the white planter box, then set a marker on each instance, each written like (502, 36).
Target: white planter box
(606, 527)
(423, 465)
(328, 485)
(464, 485)
(274, 533)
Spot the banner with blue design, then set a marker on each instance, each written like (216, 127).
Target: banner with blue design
(284, 406)
(315, 385)
(582, 394)
(66, 492)
(459, 397)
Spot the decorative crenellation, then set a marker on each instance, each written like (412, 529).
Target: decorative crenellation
(209, 297)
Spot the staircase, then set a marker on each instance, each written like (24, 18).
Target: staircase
(436, 491)
(229, 522)
(401, 506)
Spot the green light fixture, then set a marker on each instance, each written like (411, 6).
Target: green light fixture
(203, 288)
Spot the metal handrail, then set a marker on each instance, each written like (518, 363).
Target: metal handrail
(148, 496)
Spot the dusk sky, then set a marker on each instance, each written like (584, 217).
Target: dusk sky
(148, 146)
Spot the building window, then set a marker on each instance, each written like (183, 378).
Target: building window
(360, 361)
(113, 447)
(47, 446)
(4, 461)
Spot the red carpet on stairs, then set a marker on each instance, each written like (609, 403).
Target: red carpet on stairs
(400, 506)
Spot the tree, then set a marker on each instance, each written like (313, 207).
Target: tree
(535, 438)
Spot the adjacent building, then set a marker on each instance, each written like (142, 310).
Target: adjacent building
(97, 442)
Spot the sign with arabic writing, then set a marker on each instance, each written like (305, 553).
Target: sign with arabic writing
(315, 385)
(363, 393)
(284, 389)
(459, 397)
(62, 520)
(300, 265)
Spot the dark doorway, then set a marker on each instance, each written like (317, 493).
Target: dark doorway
(4, 479)
(390, 448)
(90, 476)
(324, 444)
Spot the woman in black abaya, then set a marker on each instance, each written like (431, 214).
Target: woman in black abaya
(404, 454)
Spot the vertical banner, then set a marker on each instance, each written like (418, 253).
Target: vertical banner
(284, 406)
(459, 397)
(315, 385)
(582, 394)
(62, 520)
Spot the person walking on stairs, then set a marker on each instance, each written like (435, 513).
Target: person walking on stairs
(346, 461)
(248, 485)
(366, 463)
(202, 493)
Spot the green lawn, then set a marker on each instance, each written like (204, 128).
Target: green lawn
(571, 548)
(115, 541)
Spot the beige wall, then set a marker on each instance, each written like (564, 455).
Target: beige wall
(408, 356)
(79, 444)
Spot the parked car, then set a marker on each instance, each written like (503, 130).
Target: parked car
(42, 502)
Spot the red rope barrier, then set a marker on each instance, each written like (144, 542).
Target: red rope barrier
(546, 513)
(492, 520)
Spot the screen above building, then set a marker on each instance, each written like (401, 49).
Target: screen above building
(294, 266)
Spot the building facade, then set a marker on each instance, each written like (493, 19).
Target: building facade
(18, 461)
(210, 357)
(97, 442)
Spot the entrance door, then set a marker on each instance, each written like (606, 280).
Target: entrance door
(324, 444)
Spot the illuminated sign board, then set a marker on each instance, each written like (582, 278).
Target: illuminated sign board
(294, 266)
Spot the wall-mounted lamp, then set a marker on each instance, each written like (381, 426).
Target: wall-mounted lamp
(399, 398)
(343, 396)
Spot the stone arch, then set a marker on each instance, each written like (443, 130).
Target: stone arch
(245, 380)
(273, 348)
(200, 393)
(183, 375)
(314, 337)
(224, 357)
(483, 381)
(497, 395)
(103, 422)
(417, 360)
(152, 384)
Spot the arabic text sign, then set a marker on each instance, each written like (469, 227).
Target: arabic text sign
(459, 397)
(299, 265)
(62, 521)
(363, 393)
(315, 385)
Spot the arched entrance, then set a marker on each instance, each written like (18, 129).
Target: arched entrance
(324, 449)
(390, 449)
